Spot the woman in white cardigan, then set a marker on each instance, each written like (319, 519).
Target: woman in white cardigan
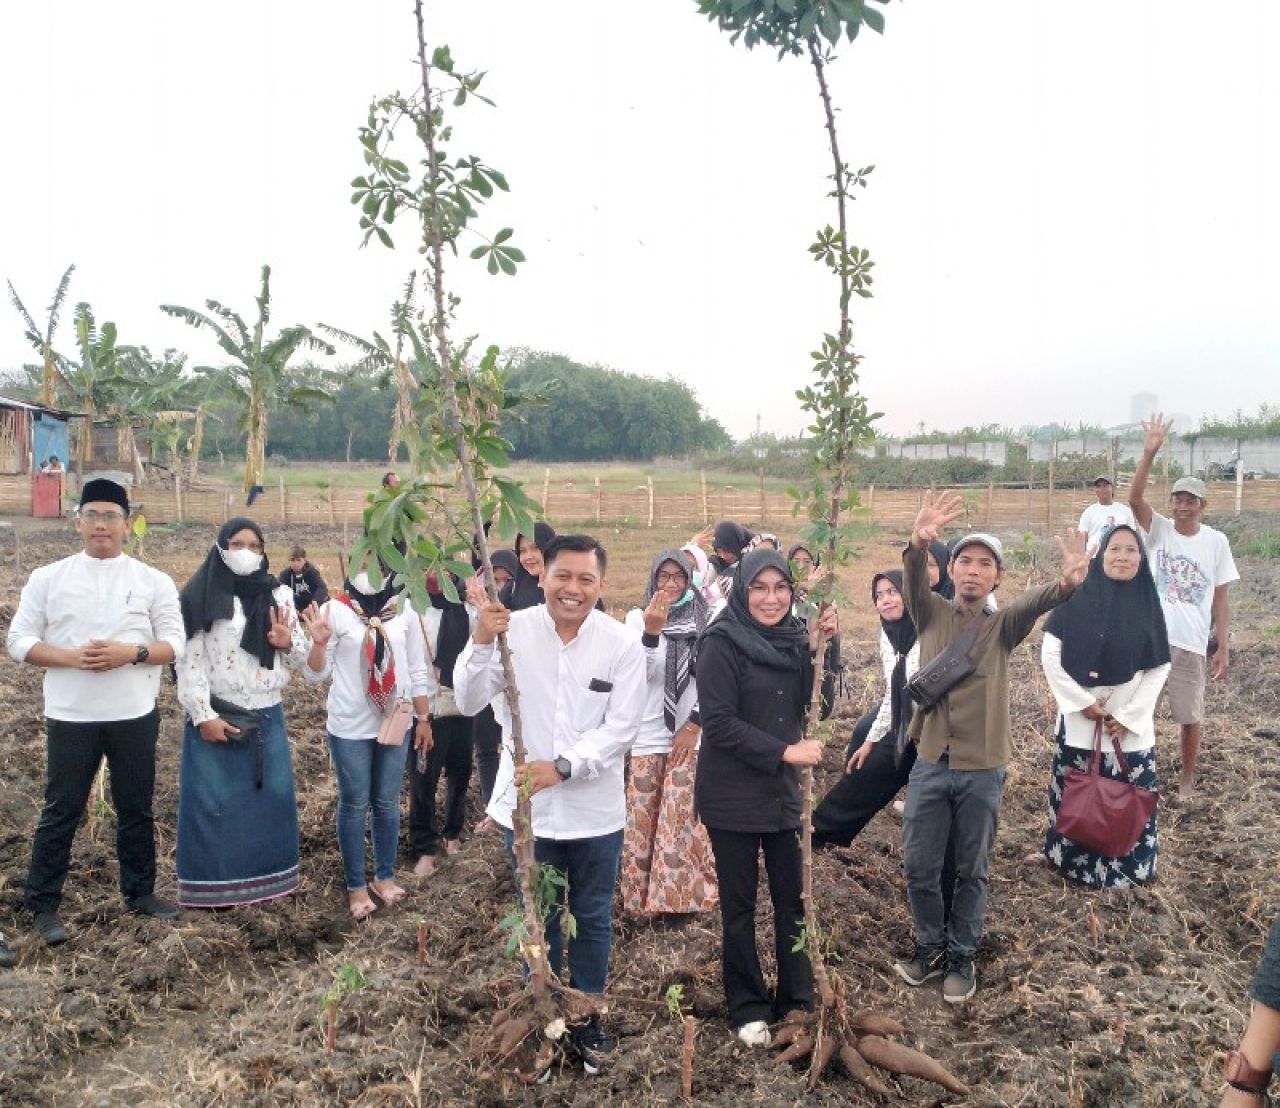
(1106, 655)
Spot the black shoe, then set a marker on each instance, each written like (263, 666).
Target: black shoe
(152, 905)
(593, 1044)
(924, 966)
(961, 981)
(50, 928)
(7, 957)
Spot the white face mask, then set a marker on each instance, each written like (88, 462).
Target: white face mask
(241, 562)
(360, 582)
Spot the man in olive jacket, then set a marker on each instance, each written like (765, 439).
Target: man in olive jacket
(957, 782)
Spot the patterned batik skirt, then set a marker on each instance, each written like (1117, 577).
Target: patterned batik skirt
(237, 839)
(1084, 866)
(666, 856)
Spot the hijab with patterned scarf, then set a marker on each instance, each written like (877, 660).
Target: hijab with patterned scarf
(373, 609)
(687, 618)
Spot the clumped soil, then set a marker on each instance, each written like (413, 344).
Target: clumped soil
(223, 1008)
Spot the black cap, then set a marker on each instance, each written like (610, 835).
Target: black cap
(106, 491)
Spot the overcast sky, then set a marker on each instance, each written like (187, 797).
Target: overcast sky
(1071, 203)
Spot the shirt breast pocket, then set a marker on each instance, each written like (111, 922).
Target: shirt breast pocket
(588, 710)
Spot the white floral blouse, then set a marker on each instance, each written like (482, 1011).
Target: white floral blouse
(215, 664)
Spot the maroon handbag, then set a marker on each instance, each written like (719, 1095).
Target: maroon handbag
(1100, 813)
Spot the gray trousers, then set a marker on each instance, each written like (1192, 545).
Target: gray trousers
(963, 805)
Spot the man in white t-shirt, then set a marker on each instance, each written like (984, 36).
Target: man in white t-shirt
(1097, 519)
(1193, 566)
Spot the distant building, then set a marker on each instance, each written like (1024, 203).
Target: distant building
(1143, 405)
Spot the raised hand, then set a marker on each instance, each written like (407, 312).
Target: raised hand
(1155, 432)
(280, 634)
(494, 621)
(316, 621)
(475, 592)
(935, 513)
(703, 537)
(1075, 559)
(655, 613)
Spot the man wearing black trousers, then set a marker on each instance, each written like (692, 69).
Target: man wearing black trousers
(101, 625)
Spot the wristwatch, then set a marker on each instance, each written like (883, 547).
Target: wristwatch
(1242, 1076)
(563, 767)
(144, 652)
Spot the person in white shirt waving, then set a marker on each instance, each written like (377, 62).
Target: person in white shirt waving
(581, 677)
(1193, 566)
(1097, 519)
(101, 624)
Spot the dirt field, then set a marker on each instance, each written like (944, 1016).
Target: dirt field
(222, 1009)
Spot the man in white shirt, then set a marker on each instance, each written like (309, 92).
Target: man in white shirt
(1193, 566)
(581, 680)
(101, 625)
(1097, 519)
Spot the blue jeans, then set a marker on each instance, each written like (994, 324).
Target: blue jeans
(962, 806)
(591, 866)
(369, 777)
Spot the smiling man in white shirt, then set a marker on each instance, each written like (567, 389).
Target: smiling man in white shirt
(581, 680)
(101, 625)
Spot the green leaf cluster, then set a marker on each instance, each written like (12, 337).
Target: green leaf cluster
(787, 25)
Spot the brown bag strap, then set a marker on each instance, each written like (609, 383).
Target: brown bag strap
(1095, 762)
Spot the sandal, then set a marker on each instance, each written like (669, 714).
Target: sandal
(363, 908)
(388, 892)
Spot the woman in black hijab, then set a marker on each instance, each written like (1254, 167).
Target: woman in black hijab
(1106, 655)
(755, 677)
(526, 590)
(939, 558)
(237, 815)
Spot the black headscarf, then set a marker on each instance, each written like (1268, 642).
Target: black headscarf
(455, 630)
(208, 596)
(946, 588)
(1110, 629)
(901, 634)
(525, 591)
(505, 559)
(686, 620)
(783, 646)
(799, 546)
(729, 535)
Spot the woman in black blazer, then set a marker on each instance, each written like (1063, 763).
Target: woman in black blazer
(755, 676)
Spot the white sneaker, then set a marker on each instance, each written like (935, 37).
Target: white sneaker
(755, 1033)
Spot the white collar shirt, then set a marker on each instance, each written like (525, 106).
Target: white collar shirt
(581, 700)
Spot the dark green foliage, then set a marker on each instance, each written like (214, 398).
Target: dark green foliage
(596, 414)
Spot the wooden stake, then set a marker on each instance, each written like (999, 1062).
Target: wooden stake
(1053, 462)
(991, 496)
(546, 491)
(597, 498)
(686, 1069)
(284, 503)
(333, 520)
(1239, 482)
(649, 482)
(706, 514)
(762, 502)
(177, 490)
(871, 497)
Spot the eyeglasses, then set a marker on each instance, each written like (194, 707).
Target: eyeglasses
(670, 577)
(238, 544)
(761, 591)
(887, 593)
(95, 516)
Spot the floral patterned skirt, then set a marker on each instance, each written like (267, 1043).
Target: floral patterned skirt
(1084, 866)
(667, 864)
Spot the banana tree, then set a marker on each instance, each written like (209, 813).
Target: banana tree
(258, 378)
(389, 359)
(42, 340)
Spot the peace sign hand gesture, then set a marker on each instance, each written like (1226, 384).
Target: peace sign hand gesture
(317, 624)
(281, 633)
(934, 515)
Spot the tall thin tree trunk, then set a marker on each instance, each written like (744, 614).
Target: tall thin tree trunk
(197, 443)
(256, 444)
(535, 951)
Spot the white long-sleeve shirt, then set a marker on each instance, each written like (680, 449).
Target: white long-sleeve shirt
(581, 700)
(69, 602)
(351, 713)
(215, 664)
(889, 659)
(1132, 704)
(428, 648)
(653, 736)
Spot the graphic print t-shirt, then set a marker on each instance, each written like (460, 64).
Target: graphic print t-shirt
(1187, 569)
(1100, 518)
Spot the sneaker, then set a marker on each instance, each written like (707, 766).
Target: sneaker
(593, 1044)
(960, 983)
(755, 1033)
(51, 928)
(152, 905)
(924, 966)
(7, 957)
